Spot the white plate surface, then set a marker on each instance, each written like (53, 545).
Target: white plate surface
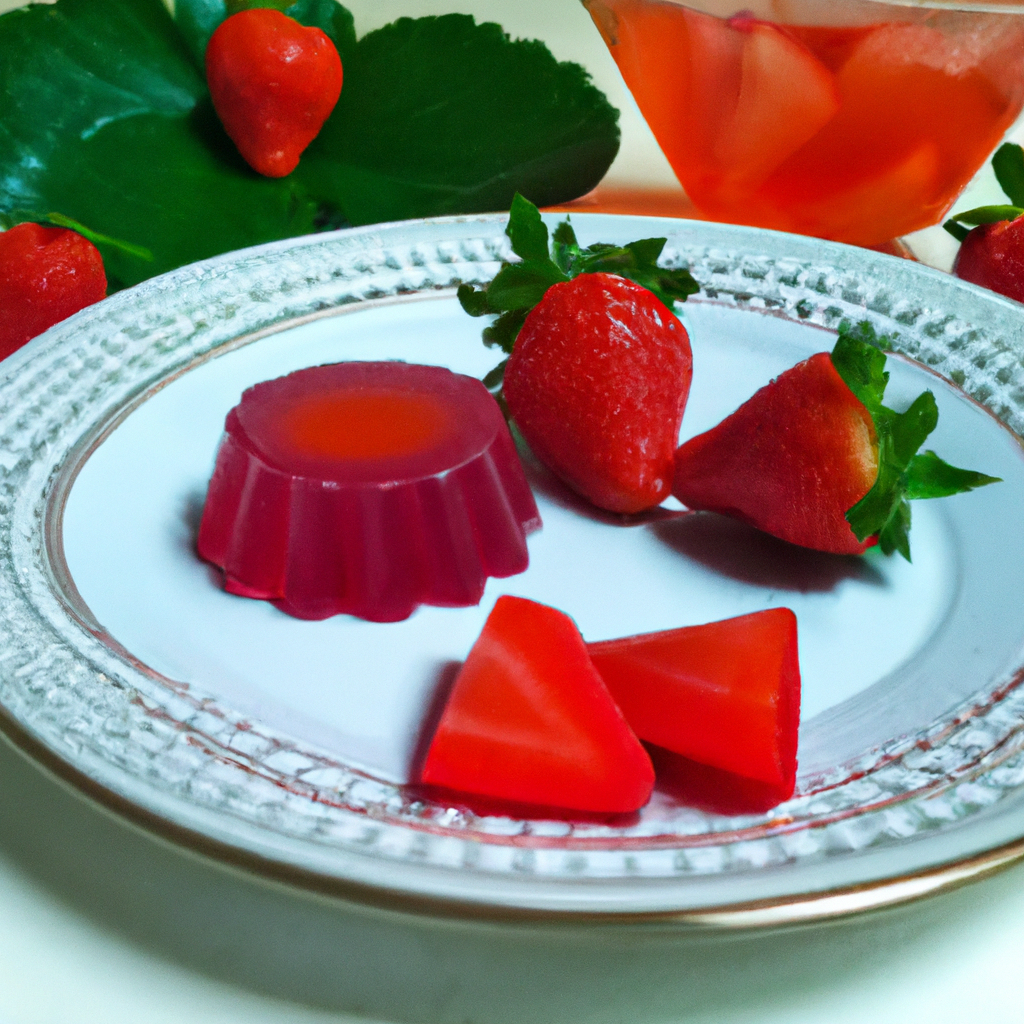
(290, 740)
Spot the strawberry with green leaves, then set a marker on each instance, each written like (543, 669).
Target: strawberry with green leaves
(599, 367)
(816, 459)
(992, 237)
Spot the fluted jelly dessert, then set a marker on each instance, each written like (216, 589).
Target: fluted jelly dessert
(366, 488)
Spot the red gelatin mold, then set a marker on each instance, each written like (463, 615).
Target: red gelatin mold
(366, 489)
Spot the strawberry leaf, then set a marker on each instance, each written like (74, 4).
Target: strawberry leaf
(474, 302)
(522, 285)
(1008, 165)
(237, 6)
(565, 250)
(527, 231)
(503, 332)
(493, 379)
(928, 476)
(903, 475)
(518, 287)
(441, 115)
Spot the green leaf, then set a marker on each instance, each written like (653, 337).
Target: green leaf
(928, 476)
(909, 429)
(494, 379)
(956, 225)
(526, 230)
(518, 287)
(860, 361)
(474, 300)
(504, 331)
(522, 285)
(639, 262)
(197, 20)
(958, 231)
(903, 475)
(193, 196)
(67, 70)
(565, 250)
(136, 251)
(1008, 165)
(237, 6)
(105, 117)
(442, 115)
(895, 534)
(988, 214)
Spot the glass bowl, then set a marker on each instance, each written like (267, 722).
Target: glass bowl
(845, 119)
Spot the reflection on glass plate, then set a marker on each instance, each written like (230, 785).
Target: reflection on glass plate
(286, 743)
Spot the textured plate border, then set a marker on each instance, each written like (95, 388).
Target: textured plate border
(930, 811)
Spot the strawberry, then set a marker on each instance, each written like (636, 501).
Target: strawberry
(46, 274)
(273, 83)
(726, 694)
(597, 384)
(599, 367)
(992, 255)
(816, 459)
(992, 237)
(529, 720)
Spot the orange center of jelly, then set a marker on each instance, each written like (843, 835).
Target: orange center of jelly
(366, 424)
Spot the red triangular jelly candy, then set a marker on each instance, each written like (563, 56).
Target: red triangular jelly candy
(726, 694)
(529, 720)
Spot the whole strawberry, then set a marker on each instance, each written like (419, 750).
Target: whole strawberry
(991, 238)
(46, 274)
(597, 383)
(599, 367)
(815, 459)
(273, 83)
(992, 255)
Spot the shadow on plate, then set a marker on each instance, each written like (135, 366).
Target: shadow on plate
(742, 553)
(545, 483)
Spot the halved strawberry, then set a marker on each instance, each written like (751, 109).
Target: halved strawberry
(597, 384)
(726, 694)
(816, 459)
(529, 720)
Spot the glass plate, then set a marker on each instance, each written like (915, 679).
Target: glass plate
(283, 745)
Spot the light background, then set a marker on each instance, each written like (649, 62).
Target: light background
(100, 923)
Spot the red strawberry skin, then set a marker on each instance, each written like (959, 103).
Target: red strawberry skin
(529, 720)
(597, 384)
(273, 82)
(46, 274)
(725, 694)
(791, 461)
(992, 255)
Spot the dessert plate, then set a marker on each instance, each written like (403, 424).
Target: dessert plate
(285, 745)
